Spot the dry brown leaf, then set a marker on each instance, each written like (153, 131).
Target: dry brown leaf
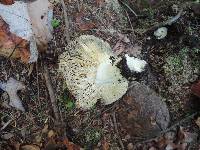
(105, 145)
(195, 89)
(12, 45)
(7, 2)
(84, 26)
(29, 147)
(70, 145)
(51, 134)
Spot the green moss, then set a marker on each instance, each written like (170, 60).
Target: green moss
(173, 65)
(92, 137)
(66, 100)
(183, 67)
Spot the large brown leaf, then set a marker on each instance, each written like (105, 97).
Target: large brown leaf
(12, 45)
(7, 2)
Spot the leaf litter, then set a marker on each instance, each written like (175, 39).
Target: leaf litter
(99, 117)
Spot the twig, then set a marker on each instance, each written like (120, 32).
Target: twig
(51, 92)
(6, 124)
(38, 86)
(67, 33)
(129, 8)
(168, 22)
(117, 131)
(173, 19)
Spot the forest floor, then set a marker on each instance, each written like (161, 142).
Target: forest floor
(173, 66)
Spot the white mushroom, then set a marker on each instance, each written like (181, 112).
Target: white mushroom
(135, 64)
(160, 33)
(90, 72)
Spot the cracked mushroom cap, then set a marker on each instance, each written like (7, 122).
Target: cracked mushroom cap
(90, 72)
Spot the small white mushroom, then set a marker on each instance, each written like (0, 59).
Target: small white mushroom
(11, 87)
(135, 64)
(90, 72)
(160, 33)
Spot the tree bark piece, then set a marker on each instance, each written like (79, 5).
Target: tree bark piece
(51, 92)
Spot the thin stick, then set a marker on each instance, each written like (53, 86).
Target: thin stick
(51, 92)
(6, 124)
(167, 22)
(67, 33)
(38, 86)
(117, 131)
(129, 8)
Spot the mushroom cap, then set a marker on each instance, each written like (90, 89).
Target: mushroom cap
(90, 73)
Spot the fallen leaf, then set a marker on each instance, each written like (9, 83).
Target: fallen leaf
(41, 14)
(83, 25)
(69, 145)
(31, 21)
(12, 86)
(195, 89)
(7, 2)
(119, 48)
(29, 147)
(12, 45)
(105, 145)
(51, 134)
(198, 122)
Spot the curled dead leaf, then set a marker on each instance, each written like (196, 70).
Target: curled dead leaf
(11, 45)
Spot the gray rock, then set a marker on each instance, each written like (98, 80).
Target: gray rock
(142, 113)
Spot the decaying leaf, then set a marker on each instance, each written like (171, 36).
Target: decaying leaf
(196, 89)
(71, 146)
(11, 87)
(7, 2)
(41, 14)
(30, 21)
(83, 25)
(12, 45)
(198, 122)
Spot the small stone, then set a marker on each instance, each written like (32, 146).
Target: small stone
(130, 146)
(142, 113)
(160, 33)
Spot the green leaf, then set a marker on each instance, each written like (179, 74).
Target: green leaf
(70, 105)
(55, 23)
